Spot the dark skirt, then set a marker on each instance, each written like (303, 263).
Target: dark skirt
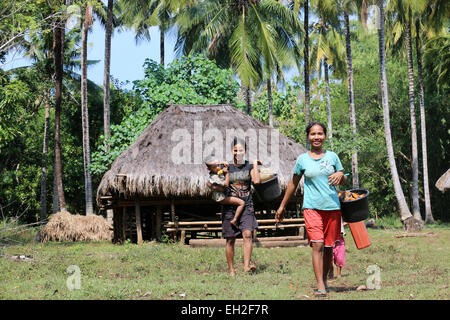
(247, 221)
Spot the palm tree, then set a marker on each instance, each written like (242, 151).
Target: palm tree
(106, 74)
(433, 19)
(346, 9)
(256, 39)
(328, 49)
(408, 220)
(87, 22)
(58, 51)
(400, 19)
(141, 15)
(306, 62)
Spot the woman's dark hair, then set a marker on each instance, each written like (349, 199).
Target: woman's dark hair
(308, 128)
(240, 141)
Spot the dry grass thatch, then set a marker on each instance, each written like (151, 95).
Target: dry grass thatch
(443, 182)
(147, 168)
(64, 226)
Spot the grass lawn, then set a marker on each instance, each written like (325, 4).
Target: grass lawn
(411, 268)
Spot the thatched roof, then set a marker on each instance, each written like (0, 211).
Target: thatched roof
(150, 167)
(443, 182)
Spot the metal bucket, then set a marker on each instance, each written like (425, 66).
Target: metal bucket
(269, 189)
(356, 210)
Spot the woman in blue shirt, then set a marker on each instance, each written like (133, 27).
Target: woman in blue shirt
(321, 207)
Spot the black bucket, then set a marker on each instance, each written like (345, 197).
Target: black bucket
(269, 189)
(356, 210)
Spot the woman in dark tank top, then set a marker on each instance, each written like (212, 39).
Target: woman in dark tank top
(241, 175)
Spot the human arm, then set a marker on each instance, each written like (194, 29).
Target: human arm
(254, 173)
(291, 187)
(227, 176)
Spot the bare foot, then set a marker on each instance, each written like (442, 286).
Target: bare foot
(233, 222)
(232, 273)
(251, 268)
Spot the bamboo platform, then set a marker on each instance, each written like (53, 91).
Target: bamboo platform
(266, 242)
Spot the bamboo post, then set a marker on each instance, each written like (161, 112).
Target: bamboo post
(153, 224)
(301, 232)
(172, 210)
(172, 214)
(115, 225)
(183, 236)
(124, 224)
(138, 221)
(158, 222)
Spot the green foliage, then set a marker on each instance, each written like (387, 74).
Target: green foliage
(188, 80)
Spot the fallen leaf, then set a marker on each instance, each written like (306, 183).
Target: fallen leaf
(148, 293)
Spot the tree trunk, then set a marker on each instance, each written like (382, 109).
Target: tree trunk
(84, 115)
(43, 213)
(106, 76)
(161, 45)
(306, 65)
(328, 98)
(248, 100)
(269, 98)
(415, 158)
(55, 190)
(58, 65)
(403, 206)
(428, 214)
(351, 99)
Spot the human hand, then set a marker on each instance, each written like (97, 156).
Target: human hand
(279, 216)
(257, 162)
(226, 164)
(336, 178)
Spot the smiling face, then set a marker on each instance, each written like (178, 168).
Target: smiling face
(316, 136)
(238, 154)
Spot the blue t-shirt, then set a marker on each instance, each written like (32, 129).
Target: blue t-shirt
(318, 194)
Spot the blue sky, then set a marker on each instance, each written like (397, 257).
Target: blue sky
(127, 57)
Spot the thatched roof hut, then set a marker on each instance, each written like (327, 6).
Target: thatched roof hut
(166, 161)
(148, 168)
(443, 182)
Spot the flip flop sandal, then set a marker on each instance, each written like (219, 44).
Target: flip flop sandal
(320, 293)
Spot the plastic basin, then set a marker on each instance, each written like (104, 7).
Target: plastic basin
(269, 189)
(356, 210)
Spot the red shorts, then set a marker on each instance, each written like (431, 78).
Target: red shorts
(323, 226)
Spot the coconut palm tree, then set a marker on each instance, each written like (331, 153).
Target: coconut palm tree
(408, 220)
(141, 15)
(58, 51)
(430, 22)
(87, 22)
(328, 48)
(347, 7)
(106, 74)
(255, 38)
(401, 15)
